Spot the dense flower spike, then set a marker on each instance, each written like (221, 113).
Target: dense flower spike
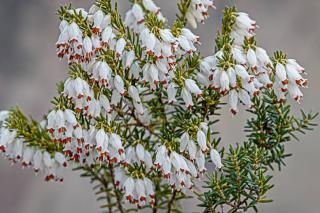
(16, 150)
(166, 48)
(288, 78)
(140, 101)
(241, 69)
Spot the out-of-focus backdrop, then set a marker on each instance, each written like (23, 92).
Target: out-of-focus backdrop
(29, 70)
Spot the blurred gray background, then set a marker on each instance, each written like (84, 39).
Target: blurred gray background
(29, 70)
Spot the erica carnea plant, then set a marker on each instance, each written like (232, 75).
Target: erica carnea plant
(138, 110)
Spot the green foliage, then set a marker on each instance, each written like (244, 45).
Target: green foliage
(273, 126)
(242, 184)
(183, 7)
(228, 20)
(245, 179)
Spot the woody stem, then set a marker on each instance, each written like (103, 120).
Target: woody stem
(171, 201)
(116, 191)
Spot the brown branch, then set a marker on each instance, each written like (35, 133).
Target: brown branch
(143, 125)
(171, 201)
(103, 181)
(108, 198)
(137, 120)
(154, 209)
(116, 192)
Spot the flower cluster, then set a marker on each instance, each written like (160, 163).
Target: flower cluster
(138, 191)
(117, 74)
(82, 145)
(288, 78)
(78, 46)
(16, 150)
(241, 69)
